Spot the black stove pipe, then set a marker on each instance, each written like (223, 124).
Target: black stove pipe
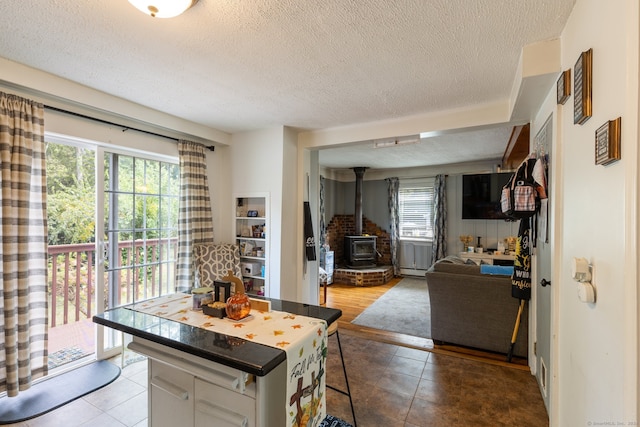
(359, 171)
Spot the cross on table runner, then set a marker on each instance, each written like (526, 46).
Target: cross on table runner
(304, 339)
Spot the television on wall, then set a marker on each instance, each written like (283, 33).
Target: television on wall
(481, 195)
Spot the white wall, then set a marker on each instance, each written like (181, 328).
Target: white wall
(597, 343)
(289, 248)
(257, 166)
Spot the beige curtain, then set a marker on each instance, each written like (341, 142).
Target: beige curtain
(195, 222)
(23, 282)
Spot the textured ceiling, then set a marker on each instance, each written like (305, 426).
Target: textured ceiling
(458, 147)
(250, 64)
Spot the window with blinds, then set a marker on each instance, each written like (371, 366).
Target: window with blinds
(415, 209)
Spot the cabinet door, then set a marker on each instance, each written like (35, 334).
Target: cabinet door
(170, 396)
(217, 406)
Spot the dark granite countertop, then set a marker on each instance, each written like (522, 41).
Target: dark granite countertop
(238, 353)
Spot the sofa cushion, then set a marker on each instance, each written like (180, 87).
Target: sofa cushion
(452, 259)
(455, 268)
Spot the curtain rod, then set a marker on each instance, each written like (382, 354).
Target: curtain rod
(125, 128)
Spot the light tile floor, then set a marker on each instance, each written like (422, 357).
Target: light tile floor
(119, 404)
(391, 386)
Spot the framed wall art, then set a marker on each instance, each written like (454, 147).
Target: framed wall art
(582, 87)
(608, 142)
(563, 87)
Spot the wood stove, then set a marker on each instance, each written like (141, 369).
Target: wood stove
(360, 251)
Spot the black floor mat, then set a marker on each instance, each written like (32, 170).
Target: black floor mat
(57, 391)
(331, 421)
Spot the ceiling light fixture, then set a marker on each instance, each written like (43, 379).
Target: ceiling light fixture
(383, 143)
(163, 8)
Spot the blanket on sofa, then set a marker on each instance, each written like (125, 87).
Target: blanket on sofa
(500, 270)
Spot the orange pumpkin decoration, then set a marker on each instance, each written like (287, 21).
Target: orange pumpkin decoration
(238, 305)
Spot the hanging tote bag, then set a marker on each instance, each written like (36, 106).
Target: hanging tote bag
(519, 198)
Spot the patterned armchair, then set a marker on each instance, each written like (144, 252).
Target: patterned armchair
(213, 262)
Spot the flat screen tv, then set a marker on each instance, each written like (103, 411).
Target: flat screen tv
(481, 195)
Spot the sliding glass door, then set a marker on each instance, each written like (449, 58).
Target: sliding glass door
(71, 258)
(138, 232)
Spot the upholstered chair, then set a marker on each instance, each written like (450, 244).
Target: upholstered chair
(213, 262)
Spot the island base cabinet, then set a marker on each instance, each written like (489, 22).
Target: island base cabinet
(186, 390)
(171, 395)
(215, 406)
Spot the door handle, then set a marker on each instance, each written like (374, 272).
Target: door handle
(545, 282)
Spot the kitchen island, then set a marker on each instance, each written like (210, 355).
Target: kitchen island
(200, 377)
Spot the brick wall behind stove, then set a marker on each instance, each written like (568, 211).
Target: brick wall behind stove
(344, 225)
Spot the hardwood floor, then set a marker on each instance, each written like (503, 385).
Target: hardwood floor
(353, 300)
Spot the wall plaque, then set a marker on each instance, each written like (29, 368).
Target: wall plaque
(582, 87)
(608, 142)
(563, 87)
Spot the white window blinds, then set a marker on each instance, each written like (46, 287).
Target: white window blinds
(415, 208)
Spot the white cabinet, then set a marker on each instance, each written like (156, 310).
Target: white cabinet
(186, 390)
(253, 238)
(215, 406)
(170, 395)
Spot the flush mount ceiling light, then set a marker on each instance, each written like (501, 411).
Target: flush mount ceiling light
(163, 8)
(392, 142)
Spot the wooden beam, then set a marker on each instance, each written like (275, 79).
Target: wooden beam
(517, 147)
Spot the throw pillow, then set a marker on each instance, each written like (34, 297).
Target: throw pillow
(214, 262)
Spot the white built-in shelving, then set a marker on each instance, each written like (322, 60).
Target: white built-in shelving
(252, 237)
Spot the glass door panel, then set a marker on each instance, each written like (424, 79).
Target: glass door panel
(71, 250)
(139, 231)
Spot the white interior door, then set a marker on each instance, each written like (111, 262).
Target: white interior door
(542, 286)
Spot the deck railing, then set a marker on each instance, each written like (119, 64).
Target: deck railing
(72, 278)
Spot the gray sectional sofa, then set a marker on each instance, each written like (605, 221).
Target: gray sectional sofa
(473, 309)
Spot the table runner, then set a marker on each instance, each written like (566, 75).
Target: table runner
(304, 339)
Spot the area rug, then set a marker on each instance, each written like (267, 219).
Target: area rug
(66, 355)
(403, 308)
(331, 421)
(56, 391)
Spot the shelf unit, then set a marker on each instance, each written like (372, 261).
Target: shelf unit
(488, 258)
(252, 237)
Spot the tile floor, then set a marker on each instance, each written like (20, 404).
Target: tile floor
(399, 386)
(391, 386)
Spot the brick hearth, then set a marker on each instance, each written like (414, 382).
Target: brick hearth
(373, 276)
(344, 225)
